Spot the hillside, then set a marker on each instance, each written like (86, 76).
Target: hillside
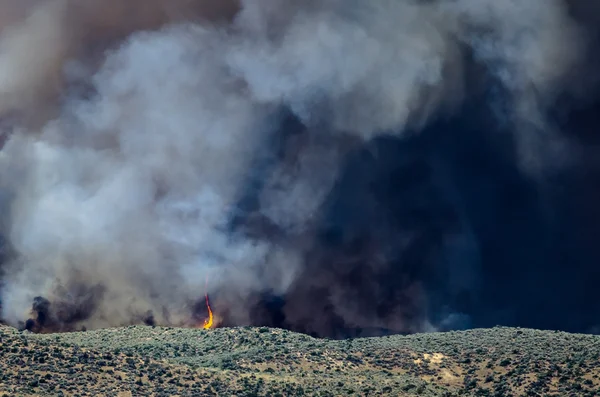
(154, 361)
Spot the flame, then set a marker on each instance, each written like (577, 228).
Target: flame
(208, 323)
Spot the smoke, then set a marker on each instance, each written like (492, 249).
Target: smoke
(155, 145)
(40, 38)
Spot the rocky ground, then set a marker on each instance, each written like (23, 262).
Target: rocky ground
(154, 361)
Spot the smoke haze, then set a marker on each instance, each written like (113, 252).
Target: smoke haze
(327, 166)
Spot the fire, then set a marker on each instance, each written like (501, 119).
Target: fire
(208, 323)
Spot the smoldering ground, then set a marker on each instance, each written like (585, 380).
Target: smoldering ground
(334, 167)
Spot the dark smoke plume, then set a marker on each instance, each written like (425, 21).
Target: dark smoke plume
(337, 167)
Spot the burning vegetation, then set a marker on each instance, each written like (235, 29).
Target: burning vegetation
(208, 323)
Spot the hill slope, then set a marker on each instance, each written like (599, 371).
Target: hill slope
(147, 361)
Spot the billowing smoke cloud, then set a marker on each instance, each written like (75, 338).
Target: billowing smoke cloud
(41, 37)
(155, 145)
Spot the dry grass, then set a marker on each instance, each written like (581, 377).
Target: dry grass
(146, 361)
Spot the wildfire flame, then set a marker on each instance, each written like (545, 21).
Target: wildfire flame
(208, 323)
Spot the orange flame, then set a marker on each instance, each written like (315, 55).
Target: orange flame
(208, 323)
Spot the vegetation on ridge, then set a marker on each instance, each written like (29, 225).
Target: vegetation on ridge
(154, 361)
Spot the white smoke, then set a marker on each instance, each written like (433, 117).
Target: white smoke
(132, 188)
